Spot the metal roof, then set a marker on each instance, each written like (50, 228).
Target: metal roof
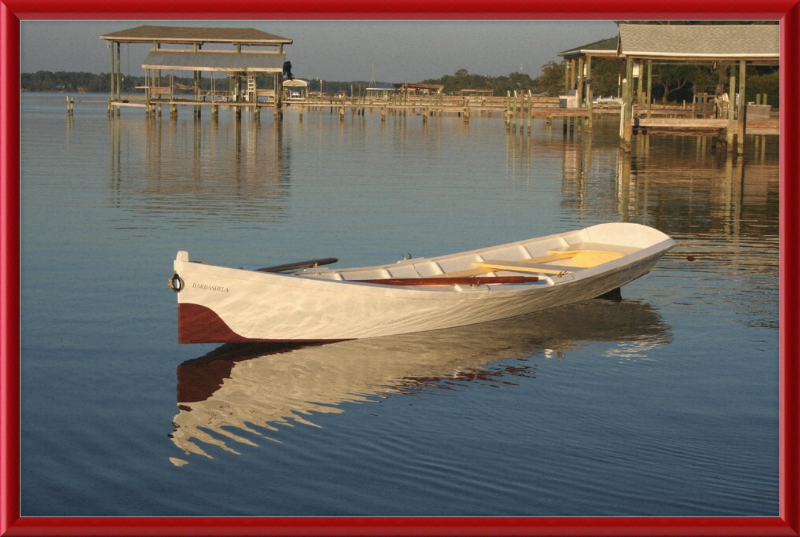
(295, 83)
(191, 34)
(701, 41)
(262, 62)
(604, 47)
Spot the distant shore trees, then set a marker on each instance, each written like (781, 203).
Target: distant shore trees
(671, 83)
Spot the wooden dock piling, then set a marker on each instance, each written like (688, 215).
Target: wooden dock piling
(729, 130)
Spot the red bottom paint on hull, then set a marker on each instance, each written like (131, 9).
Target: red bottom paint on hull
(199, 324)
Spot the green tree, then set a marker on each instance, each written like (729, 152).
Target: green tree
(551, 81)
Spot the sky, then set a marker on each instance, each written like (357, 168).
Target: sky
(389, 51)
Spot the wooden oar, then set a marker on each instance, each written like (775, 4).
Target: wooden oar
(451, 281)
(300, 265)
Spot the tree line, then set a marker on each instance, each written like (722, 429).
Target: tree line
(671, 82)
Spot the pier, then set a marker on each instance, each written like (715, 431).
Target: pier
(254, 76)
(728, 49)
(254, 80)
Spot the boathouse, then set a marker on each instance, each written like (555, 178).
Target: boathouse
(728, 48)
(380, 91)
(579, 68)
(252, 61)
(295, 90)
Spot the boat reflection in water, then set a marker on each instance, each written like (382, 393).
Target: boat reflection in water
(256, 387)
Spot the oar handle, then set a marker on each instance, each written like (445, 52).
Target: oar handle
(465, 280)
(300, 265)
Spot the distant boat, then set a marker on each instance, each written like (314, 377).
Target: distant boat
(608, 100)
(309, 302)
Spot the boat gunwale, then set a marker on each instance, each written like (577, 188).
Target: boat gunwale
(438, 292)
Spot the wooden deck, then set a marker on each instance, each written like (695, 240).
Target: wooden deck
(659, 120)
(658, 124)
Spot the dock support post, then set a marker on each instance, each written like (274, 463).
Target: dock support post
(118, 76)
(741, 107)
(731, 107)
(111, 79)
(649, 86)
(639, 92)
(508, 111)
(530, 110)
(627, 106)
(589, 95)
(581, 80)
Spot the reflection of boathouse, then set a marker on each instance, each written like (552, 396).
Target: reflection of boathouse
(252, 77)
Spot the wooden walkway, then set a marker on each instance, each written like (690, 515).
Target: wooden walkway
(664, 124)
(514, 111)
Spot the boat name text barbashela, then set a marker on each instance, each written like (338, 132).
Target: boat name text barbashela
(206, 287)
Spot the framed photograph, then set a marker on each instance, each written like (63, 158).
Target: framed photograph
(631, 370)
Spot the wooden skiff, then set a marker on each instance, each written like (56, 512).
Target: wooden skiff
(310, 302)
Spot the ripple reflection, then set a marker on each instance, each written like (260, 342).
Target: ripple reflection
(255, 388)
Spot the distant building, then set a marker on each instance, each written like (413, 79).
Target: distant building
(295, 90)
(422, 89)
(176, 48)
(380, 91)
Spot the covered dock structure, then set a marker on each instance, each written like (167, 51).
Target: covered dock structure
(253, 76)
(728, 48)
(577, 74)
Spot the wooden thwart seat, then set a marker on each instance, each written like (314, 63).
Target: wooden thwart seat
(523, 266)
(589, 254)
(480, 269)
(583, 255)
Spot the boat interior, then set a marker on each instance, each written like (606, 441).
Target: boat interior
(545, 259)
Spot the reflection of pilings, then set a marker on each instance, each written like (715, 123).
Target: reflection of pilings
(252, 143)
(277, 136)
(115, 130)
(197, 147)
(624, 183)
(733, 195)
(759, 148)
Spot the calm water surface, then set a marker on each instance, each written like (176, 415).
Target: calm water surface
(663, 404)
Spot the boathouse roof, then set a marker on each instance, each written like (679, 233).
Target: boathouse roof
(191, 35)
(752, 42)
(226, 61)
(604, 47)
(295, 83)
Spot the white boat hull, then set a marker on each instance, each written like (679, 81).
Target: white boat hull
(220, 305)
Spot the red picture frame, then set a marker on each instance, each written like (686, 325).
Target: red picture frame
(13, 11)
